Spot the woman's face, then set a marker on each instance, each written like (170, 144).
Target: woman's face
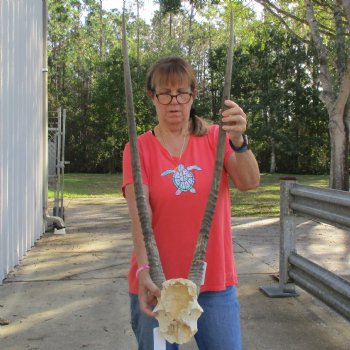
(174, 113)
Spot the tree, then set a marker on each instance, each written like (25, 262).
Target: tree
(329, 25)
(273, 81)
(270, 64)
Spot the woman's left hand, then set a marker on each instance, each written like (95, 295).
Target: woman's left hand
(235, 122)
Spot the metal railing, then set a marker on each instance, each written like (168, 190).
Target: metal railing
(325, 205)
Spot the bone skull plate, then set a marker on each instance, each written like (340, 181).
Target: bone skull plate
(178, 310)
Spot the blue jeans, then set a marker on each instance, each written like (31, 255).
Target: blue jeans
(218, 327)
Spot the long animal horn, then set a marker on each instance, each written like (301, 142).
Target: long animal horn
(197, 271)
(156, 270)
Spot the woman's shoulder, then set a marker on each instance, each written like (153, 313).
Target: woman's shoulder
(212, 128)
(142, 140)
(213, 131)
(146, 136)
(210, 138)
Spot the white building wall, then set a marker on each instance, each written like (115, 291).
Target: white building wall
(21, 129)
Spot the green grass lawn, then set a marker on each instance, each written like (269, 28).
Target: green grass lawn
(90, 185)
(263, 201)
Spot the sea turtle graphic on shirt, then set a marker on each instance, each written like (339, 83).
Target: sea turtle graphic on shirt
(183, 178)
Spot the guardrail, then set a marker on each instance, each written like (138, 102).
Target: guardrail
(325, 205)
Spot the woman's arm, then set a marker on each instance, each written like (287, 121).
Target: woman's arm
(148, 291)
(243, 170)
(241, 167)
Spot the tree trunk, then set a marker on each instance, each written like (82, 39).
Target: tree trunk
(339, 174)
(138, 35)
(170, 24)
(273, 156)
(335, 101)
(190, 43)
(101, 33)
(212, 92)
(347, 144)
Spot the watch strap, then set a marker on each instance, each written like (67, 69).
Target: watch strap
(242, 148)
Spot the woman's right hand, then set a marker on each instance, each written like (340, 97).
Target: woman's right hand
(148, 293)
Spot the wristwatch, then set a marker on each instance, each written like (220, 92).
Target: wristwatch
(242, 148)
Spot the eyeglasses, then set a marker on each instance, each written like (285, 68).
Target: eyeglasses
(182, 98)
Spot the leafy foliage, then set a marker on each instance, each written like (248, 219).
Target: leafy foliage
(274, 79)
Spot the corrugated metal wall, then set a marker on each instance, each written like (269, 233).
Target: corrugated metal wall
(21, 129)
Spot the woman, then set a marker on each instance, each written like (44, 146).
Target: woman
(179, 141)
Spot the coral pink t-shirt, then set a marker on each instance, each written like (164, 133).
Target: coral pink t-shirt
(178, 193)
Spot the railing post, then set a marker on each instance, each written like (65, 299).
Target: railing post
(287, 235)
(287, 243)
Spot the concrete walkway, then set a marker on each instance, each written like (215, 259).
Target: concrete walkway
(70, 291)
